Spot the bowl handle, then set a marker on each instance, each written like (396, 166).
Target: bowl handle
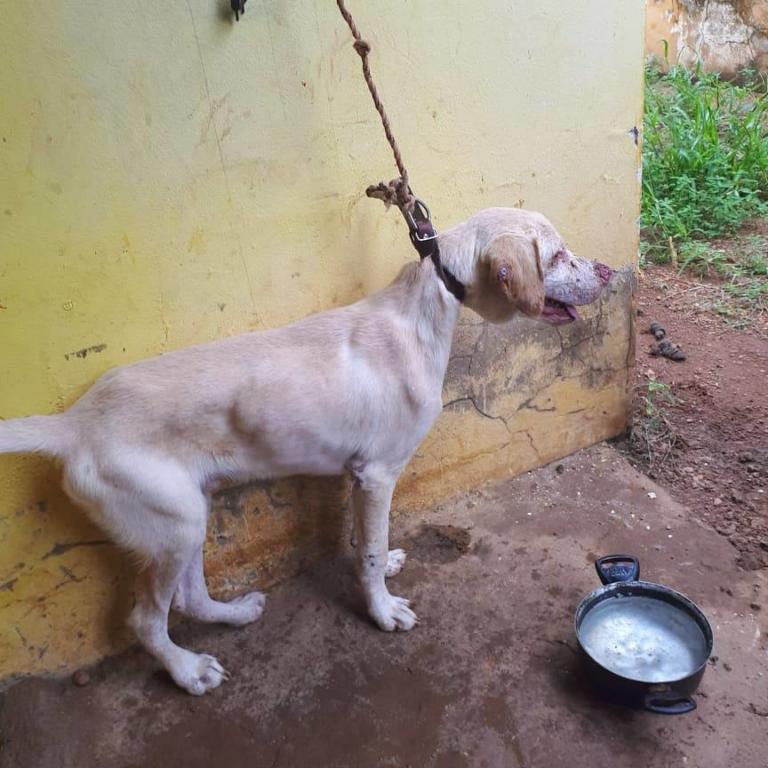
(679, 705)
(613, 568)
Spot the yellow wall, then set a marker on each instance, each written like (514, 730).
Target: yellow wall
(170, 177)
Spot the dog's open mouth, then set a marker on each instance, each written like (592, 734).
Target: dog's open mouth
(558, 313)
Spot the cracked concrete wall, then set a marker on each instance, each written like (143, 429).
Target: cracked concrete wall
(170, 177)
(726, 36)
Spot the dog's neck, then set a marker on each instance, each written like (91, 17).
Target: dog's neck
(424, 303)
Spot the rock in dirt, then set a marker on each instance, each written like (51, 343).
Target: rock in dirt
(658, 331)
(669, 350)
(81, 678)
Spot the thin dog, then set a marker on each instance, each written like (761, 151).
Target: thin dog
(354, 389)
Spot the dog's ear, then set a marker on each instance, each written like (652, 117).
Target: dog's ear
(516, 269)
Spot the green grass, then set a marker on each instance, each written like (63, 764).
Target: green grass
(656, 393)
(742, 266)
(744, 257)
(705, 155)
(652, 437)
(705, 172)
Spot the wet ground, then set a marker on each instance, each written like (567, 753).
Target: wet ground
(489, 678)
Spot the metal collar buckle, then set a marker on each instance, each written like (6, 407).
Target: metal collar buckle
(425, 233)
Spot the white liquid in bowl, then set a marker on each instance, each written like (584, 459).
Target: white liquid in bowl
(643, 639)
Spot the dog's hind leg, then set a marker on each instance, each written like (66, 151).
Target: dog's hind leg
(371, 499)
(156, 585)
(154, 508)
(395, 561)
(192, 599)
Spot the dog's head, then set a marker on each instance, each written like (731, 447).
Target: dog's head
(518, 263)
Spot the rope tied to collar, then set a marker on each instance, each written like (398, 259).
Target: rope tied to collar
(398, 191)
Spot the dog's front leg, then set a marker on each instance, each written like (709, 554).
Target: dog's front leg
(371, 499)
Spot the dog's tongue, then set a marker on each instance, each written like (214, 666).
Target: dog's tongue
(560, 310)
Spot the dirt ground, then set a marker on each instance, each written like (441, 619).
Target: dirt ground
(719, 411)
(490, 677)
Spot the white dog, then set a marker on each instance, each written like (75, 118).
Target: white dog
(353, 389)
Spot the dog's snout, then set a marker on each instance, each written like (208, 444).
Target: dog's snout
(604, 273)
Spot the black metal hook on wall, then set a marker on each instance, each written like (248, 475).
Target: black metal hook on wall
(238, 6)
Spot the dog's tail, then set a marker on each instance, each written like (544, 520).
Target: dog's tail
(36, 434)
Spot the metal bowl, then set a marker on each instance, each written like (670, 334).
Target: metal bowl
(644, 644)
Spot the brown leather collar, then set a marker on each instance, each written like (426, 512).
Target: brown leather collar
(424, 239)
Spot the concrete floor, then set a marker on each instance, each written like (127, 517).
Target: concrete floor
(489, 678)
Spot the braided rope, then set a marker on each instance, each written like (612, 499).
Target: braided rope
(397, 191)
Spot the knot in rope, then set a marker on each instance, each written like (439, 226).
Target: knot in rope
(363, 47)
(396, 192)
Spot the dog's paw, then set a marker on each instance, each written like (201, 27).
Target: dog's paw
(395, 562)
(393, 614)
(198, 673)
(246, 609)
